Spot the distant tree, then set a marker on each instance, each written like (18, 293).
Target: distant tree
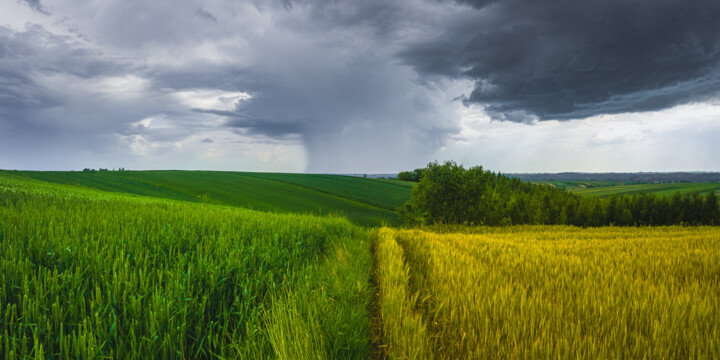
(415, 175)
(404, 176)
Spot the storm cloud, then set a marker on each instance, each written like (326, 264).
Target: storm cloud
(350, 86)
(566, 59)
(36, 6)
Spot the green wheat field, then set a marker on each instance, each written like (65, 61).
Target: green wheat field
(224, 265)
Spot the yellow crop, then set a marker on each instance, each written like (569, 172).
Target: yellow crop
(566, 292)
(405, 334)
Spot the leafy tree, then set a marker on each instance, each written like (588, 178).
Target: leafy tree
(449, 193)
(404, 176)
(414, 175)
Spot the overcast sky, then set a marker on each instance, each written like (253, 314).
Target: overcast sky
(360, 86)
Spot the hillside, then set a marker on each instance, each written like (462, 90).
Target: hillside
(363, 201)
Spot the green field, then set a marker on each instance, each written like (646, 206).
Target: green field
(363, 201)
(86, 274)
(608, 188)
(175, 265)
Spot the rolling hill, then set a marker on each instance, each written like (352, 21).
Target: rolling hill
(363, 201)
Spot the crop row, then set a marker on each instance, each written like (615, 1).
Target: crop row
(563, 292)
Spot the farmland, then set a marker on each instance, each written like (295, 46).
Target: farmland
(87, 274)
(551, 292)
(608, 188)
(363, 201)
(183, 265)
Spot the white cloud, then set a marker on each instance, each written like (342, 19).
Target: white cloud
(682, 138)
(210, 99)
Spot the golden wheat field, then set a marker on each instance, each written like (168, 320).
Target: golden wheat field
(550, 292)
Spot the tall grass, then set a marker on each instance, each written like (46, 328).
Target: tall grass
(327, 316)
(404, 333)
(565, 292)
(89, 275)
(295, 331)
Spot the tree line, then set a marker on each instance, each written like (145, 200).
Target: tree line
(102, 169)
(450, 194)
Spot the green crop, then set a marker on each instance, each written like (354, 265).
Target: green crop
(85, 274)
(366, 202)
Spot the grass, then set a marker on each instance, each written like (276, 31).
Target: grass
(404, 332)
(366, 202)
(564, 292)
(87, 274)
(608, 188)
(387, 194)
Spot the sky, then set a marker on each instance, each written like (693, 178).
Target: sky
(373, 86)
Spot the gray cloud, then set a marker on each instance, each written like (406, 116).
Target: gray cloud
(565, 59)
(205, 15)
(325, 73)
(321, 73)
(63, 100)
(361, 85)
(343, 107)
(36, 5)
(31, 59)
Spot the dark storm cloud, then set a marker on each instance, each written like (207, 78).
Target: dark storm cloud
(34, 53)
(358, 83)
(385, 20)
(206, 15)
(325, 74)
(564, 59)
(341, 103)
(37, 50)
(36, 5)
(320, 73)
(21, 92)
(258, 125)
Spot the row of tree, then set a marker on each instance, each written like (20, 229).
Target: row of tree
(102, 169)
(450, 194)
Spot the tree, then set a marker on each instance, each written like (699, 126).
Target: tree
(449, 193)
(413, 176)
(405, 176)
(440, 193)
(711, 210)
